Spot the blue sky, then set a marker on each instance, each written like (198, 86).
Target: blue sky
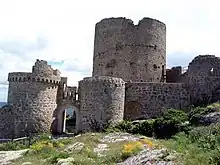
(62, 32)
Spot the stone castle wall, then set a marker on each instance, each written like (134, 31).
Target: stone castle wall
(128, 51)
(147, 100)
(203, 78)
(101, 100)
(34, 98)
(173, 75)
(7, 118)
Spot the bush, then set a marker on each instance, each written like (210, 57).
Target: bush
(170, 123)
(197, 113)
(56, 156)
(207, 138)
(200, 146)
(143, 127)
(9, 146)
(125, 126)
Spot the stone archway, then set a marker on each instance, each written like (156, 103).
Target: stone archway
(58, 119)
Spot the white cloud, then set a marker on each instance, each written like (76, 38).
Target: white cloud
(63, 30)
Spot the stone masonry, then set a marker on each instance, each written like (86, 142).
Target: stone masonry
(129, 81)
(131, 52)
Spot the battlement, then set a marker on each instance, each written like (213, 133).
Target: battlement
(103, 79)
(27, 77)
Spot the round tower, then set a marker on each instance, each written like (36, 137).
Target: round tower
(131, 52)
(101, 101)
(33, 96)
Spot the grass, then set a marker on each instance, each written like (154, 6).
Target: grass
(48, 152)
(200, 147)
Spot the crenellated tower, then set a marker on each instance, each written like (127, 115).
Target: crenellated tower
(34, 98)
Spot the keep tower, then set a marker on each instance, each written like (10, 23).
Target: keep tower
(128, 51)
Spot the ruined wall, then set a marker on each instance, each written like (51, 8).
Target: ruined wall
(147, 100)
(128, 51)
(7, 118)
(102, 100)
(34, 98)
(173, 75)
(203, 78)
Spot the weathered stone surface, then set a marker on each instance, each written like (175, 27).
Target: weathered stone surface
(147, 100)
(26, 163)
(7, 156)
(118, 137)
(149, 157)
(101, 102)
(211, 118)
(131, 52)
(68, 161)
(100, 149)
(76, 147)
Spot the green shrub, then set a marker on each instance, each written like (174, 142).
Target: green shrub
(9, 146)
(207, 138)
(143, 127)
(170, 123)
(125, 126)
(197, 113)
(56, 156)
(200, 146)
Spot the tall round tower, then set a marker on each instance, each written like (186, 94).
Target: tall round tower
(101, 101)
(131, 52)
(33, 96)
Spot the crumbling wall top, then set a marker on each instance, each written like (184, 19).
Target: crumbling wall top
(41, 72)
(125, 21)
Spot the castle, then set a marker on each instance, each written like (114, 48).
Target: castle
(129, 81)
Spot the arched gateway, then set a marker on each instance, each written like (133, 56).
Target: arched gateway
(58, 125)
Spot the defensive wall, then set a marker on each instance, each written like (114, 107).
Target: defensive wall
(148, 100)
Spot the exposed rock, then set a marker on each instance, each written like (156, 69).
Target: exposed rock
(100, 149)
(149, 157)
(118, 137)
(211, 118)
(7, 156)
(68, 161)
(26, 163)
(76, 147)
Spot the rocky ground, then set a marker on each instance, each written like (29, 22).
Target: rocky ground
(147, 156)
(7, 156)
